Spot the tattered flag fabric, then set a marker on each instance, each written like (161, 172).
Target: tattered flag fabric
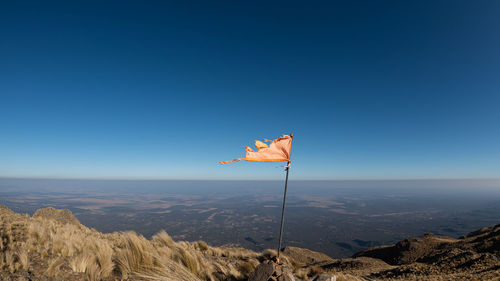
(278, 150)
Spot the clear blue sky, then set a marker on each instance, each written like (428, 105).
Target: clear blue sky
(156, 89)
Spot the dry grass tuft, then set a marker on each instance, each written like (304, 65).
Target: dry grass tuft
(269, 254)
(202, 246)
(163, 239)
(315, 270)
(302, 273)
(80, 263)
(136, 255)
(188, 260)
(23, 258)
(247, 267)
(54, 267)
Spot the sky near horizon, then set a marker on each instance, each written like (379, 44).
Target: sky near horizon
(165, 90)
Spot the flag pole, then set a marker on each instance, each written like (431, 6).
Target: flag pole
(287, 168)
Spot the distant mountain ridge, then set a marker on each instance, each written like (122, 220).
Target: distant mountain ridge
(54, 245)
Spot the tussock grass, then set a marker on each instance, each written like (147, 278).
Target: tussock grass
(136, 254)
(202, 246)
(54, 269)
(80, 263)
(23, 258)
(163, 239)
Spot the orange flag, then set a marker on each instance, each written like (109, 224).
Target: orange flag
(278, 150)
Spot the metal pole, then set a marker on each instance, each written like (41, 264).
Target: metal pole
(283, 209)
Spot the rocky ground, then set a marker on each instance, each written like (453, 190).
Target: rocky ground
(53, 245)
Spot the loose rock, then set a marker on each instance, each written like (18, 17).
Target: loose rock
(271, 272)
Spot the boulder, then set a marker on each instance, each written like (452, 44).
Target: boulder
(271, 271)
(262, 272)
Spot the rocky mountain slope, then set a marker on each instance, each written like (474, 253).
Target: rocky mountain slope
(53, 245)
(477, 255)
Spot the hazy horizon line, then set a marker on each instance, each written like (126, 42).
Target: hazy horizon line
(243, 179)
